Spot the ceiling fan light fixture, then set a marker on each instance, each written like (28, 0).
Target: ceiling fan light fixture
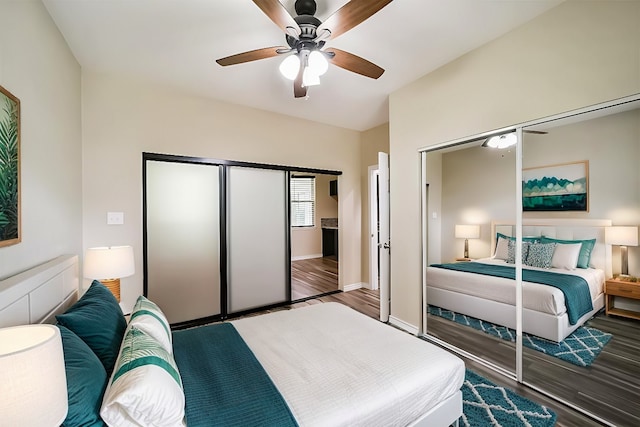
(309, 77)
(501, 141)
(318, 63)
(290, 67)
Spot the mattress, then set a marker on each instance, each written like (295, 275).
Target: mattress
(535, 296)
(335, 366)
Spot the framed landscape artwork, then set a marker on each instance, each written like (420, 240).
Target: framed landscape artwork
(9, 168)
(563, 187)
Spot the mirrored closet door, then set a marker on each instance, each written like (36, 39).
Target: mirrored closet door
(594, 154)
(576, 194)
(470, 197)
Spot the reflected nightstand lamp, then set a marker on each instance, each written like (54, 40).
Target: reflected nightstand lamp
(467, 232)
(109, 265)
(623, 237)
(34, 384)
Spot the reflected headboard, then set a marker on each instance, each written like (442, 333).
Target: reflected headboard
(38, 294)
(566, 229)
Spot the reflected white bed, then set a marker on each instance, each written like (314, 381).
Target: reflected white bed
(544, 312)
(385, 377)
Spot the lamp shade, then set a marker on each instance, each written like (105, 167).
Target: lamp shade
(112, 262)
(621, 236)
(467, 231)
(33, 385)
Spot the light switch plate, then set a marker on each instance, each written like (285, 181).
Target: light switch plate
(115, 218)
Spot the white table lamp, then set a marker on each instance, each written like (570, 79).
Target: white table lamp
(467, 232)
(109, 265)
(33, 383)
(623, 237)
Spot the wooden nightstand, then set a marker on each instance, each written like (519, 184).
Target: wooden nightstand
(621, 288)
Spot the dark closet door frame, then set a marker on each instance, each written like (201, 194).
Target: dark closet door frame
(224, 164)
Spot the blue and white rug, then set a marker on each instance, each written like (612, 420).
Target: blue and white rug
(487, 404)
(580, 348)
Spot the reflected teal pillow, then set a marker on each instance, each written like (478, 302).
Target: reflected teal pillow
(86, 381)
(585, 250)
(98, 320)
(524, 239)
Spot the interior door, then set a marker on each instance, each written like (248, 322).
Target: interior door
(259, 261)
(182, 227)
(385, 243)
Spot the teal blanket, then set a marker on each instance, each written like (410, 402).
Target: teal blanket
(575, 289)
(224, 384)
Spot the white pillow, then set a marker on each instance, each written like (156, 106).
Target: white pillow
(566, 256)
(502, 251)
(145, 388)
(148, 317)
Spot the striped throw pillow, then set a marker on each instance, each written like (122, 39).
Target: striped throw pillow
(148, 317)
(145, 388)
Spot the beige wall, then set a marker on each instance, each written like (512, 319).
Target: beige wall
(578, 54)
(37, 67)
(122, 118)
(306, 242)
(373, 141)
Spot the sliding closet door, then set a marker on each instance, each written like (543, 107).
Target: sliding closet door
(183, 239)
(258, 235)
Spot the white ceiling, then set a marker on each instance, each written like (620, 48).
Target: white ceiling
(176, 42)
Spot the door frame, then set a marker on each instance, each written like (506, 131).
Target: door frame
(374, 236)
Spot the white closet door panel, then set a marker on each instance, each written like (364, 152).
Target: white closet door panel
(257, 238)
(183, 239)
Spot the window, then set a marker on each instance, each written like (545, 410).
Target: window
(303, 201)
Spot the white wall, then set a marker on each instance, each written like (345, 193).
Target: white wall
(123, 117)
(37, 67)
(577, 54)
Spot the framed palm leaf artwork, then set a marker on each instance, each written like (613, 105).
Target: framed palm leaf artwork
(9, 168)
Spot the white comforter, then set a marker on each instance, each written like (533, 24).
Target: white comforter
(535, 296)
(337, 367)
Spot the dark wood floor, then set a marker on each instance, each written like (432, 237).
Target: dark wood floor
(313, 276)
(367, 302)
(609, 388)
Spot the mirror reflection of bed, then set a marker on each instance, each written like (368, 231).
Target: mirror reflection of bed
(314, 235)
(611, 144)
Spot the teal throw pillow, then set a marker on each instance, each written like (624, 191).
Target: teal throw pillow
(98, 320)
(86, 381)
(584, 259)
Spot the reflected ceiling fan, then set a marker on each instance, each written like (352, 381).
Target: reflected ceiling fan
(508, 139)
(306, 35)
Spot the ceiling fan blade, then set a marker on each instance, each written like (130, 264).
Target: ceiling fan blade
(350, 15)
(279, 15)
(535, 132)
(252, 55)
(299, 90)
(354, 63)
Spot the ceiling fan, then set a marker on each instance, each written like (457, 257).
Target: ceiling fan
(306, 35)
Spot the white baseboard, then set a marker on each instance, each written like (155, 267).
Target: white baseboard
(301, 257)
(353, 287)
(403, 325)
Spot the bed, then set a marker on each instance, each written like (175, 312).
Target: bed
(322, 364)
(548, 312)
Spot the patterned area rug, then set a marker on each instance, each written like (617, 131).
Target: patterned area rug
(580, 348)
(487, 404)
